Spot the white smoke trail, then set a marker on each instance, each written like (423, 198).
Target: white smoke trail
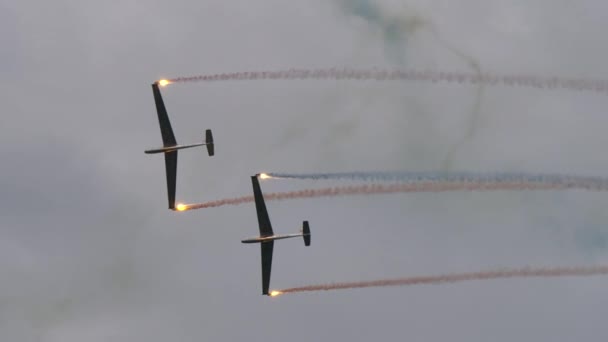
(571, 181)
(433, 76)
(458, 277)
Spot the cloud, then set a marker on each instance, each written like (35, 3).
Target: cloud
(90, 252)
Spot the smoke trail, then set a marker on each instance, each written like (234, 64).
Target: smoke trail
(397, 28)
(434, 76)
(423, 186)
(474, 119)
(458, 277)
(572, 181)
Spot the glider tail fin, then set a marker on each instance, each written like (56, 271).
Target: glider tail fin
(209, 142)
(306, 233)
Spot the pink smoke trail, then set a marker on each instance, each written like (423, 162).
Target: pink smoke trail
(369, 189)
(458, 277)
(434, 76)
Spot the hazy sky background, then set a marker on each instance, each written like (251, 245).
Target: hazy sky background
(88, 250)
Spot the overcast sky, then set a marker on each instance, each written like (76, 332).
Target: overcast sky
(89, 252)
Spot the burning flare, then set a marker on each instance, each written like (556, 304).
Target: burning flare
(264, 176)
(275, 293)
(181, 207)
(164, 82)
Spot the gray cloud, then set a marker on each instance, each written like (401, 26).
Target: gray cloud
(88, 250)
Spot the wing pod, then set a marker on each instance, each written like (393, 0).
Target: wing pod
(209, 143)
(306, 233)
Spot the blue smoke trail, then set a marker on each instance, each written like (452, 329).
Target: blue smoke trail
(599, 183)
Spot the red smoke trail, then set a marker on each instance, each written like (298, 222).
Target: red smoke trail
(459, 277)
(369, 189)
(434, 76)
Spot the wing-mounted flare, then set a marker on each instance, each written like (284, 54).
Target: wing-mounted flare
(209, 143)
(306, 233)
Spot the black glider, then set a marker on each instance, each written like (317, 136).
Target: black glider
(170, 146)
(267, 236)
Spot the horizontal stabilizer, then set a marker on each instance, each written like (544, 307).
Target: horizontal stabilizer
(209, 142)
(306, 233)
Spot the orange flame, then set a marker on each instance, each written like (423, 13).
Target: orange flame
(275, 293)
(163, 82)
(181, 207)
